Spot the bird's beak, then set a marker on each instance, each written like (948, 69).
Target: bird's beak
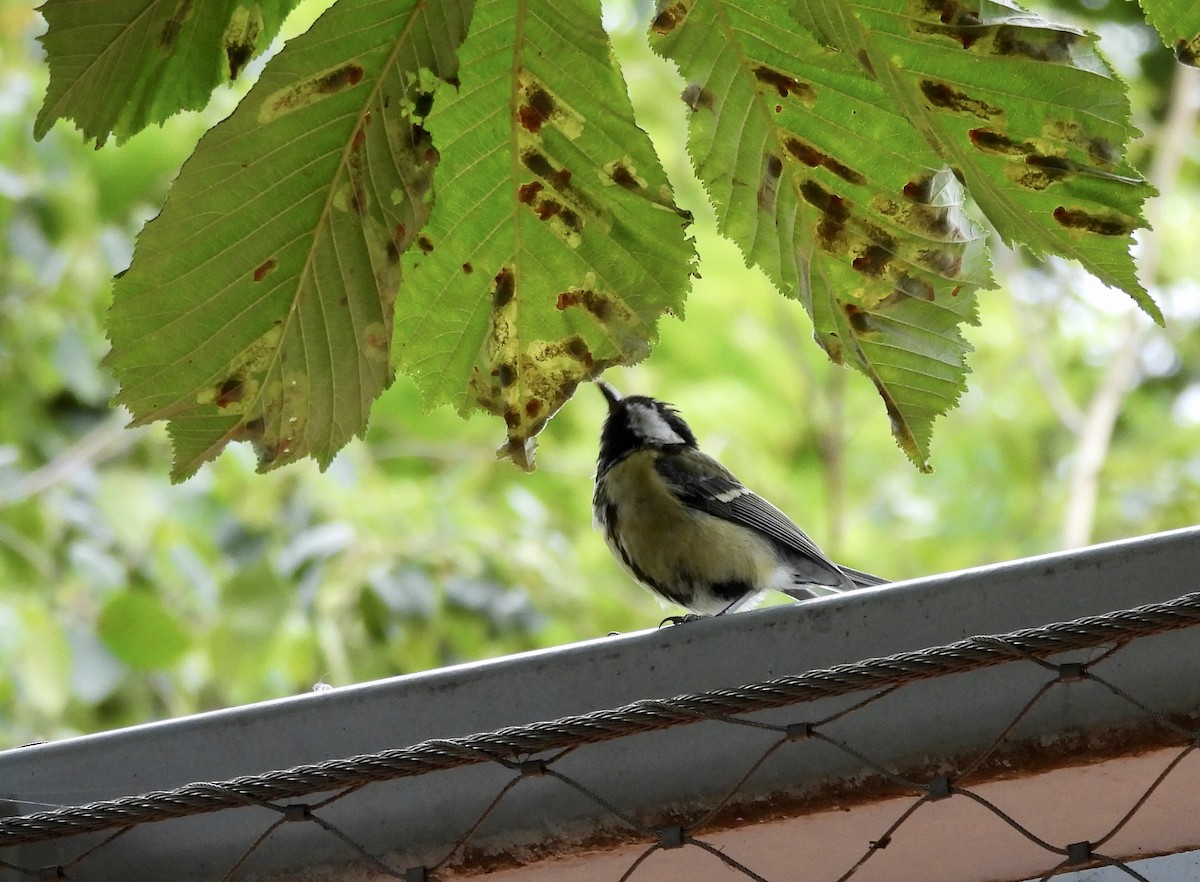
(611, 395)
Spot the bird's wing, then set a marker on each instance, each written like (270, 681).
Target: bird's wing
(704, 484)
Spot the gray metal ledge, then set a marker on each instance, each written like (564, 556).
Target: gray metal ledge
(415, 820)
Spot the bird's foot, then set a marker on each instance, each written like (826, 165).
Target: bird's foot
(679, 620)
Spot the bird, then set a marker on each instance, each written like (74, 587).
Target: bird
(683, 526)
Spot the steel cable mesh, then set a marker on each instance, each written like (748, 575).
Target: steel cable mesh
(532, 751)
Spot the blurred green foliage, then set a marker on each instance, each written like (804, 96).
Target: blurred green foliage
(124, 599)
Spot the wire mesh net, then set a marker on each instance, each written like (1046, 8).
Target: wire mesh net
(816, 718)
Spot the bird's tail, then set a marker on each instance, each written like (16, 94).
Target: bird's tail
(861, 579)
(854, 579)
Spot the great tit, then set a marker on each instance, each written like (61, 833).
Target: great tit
(681, 524)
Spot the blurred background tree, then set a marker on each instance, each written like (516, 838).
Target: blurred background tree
(124, 598)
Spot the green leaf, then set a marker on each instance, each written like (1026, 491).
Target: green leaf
(259, 304)
(159, 56)
(1178, 23)
(555, 244)
(836, 153)
(140, 631)
(820, 183)
(1025, 110)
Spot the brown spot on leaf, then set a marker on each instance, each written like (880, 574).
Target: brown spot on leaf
(958, 21)
(529, 118)
(251, 430)
(920, 189)
(230, 391)
(941, 261)
(169, 34)
(952, 12)
(936, 219)
(947, 97)
(561, 179)
(623, 177)
(533, 407)
(310, 91)
(538, 109)
(343, 78)
(1104, 225)
(573, 221)
(422, 104)
(419, 136)
(548, 208)
(1103, 151)
(915, 288)
(265, 268)
(359, 137)
(504, 287)
(468, 269)
(576, 348)
(860, 319)
(1038, 45)
(238, 54)
(834, 213)
(538, 164)
(873, 261)
(425, 243)
(393, 252)
(768, 190)
(994, 142)
(824, 201)
(527, 193)
(241, 37)
(669, 18)
(1054, 168)
(1188, 51)
(812, 157)
(376, 337)
(785, 85)
(505, 375)
(590, 300)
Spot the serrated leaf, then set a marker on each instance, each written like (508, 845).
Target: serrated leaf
(1025, 110)
(141, 632)
(555, 244)
(834, 153)
(1178, 23)
(259, 304)
(160, 56)
(817, 179)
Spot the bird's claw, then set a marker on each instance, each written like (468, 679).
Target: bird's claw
(679, 620)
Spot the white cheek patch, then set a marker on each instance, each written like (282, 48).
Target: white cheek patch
(647, 424)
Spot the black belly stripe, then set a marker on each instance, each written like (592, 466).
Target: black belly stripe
(653, 584)
(734, 589)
